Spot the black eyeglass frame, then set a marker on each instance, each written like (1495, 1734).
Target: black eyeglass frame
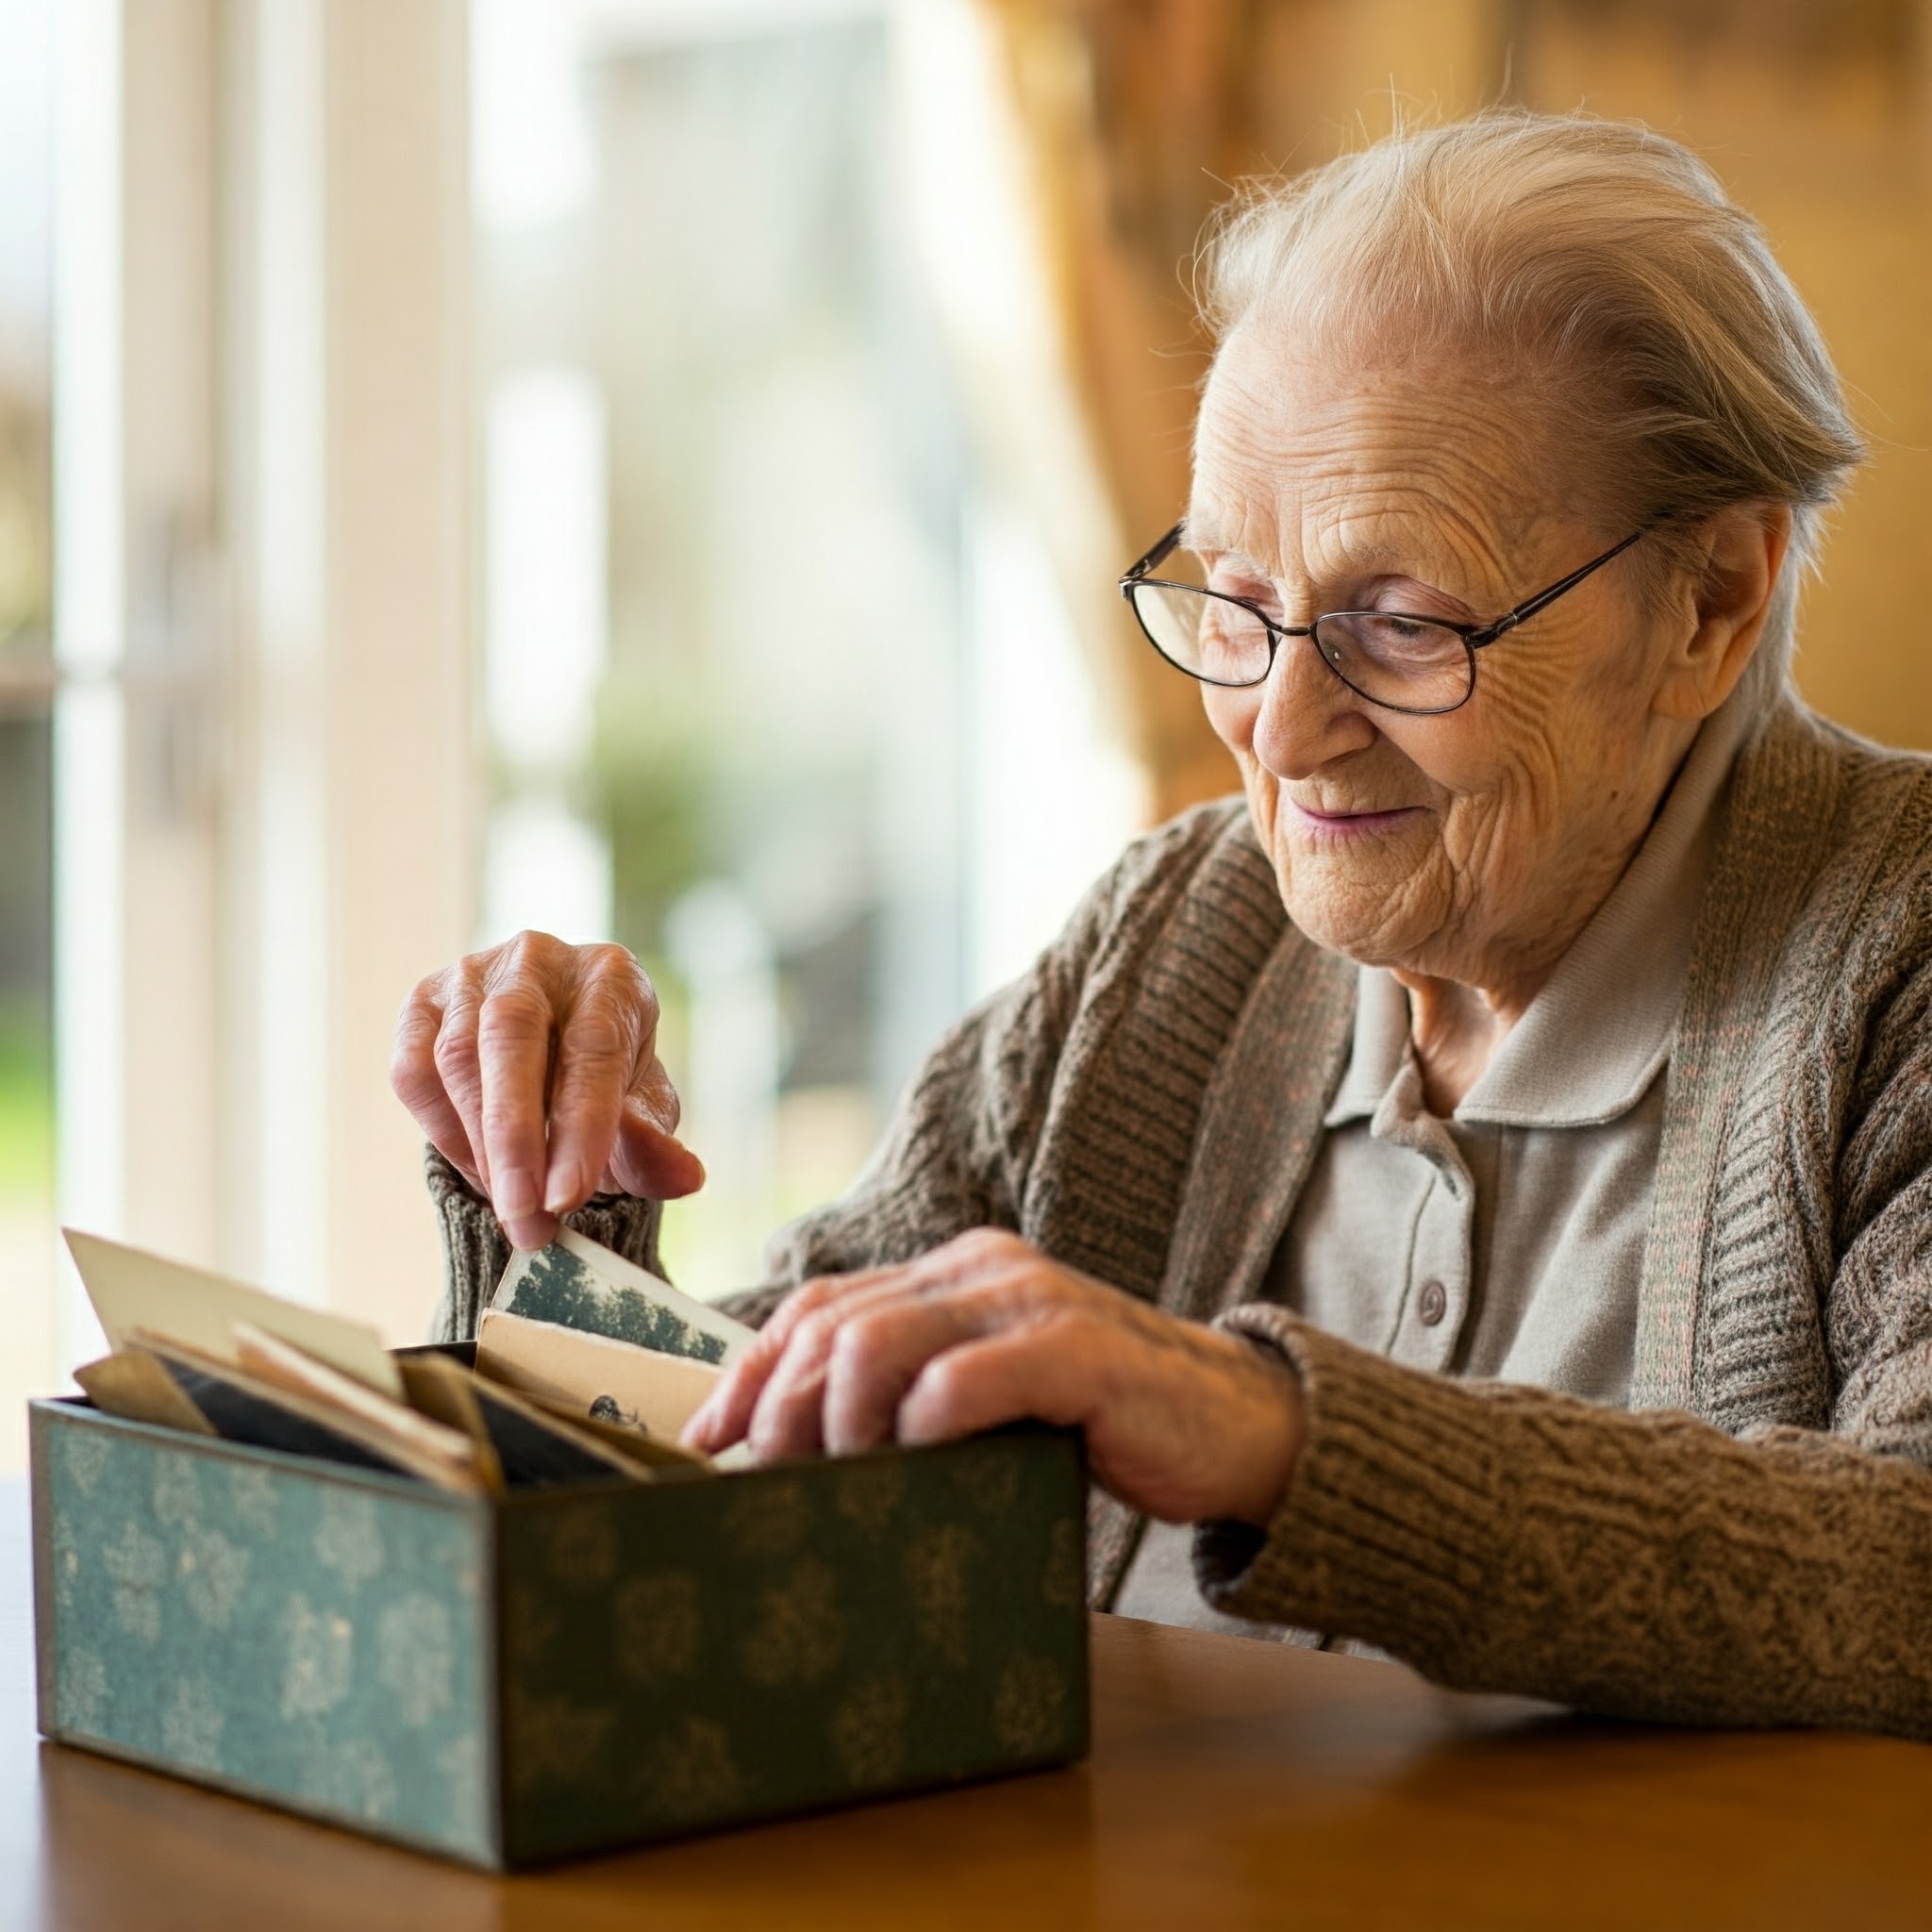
(1474, 636)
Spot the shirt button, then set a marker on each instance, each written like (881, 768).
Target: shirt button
(1434, 1303)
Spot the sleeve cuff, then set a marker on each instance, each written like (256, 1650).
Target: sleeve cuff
(1384, 1531)
(476, 1250)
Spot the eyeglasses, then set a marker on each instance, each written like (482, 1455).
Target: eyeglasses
(1419, 665)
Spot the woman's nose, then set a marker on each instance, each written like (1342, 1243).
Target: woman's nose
(1308, 716)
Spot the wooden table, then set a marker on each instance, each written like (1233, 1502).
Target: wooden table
(1232, 1783)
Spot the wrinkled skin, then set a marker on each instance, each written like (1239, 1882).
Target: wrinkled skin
(533, 1068)
(1184, 1422)
(1464, 852)
(1322, 486)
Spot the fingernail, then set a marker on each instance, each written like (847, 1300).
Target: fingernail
(562, 1195)
(537, 1232)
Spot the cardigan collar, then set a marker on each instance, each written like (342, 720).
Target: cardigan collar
(1595, 1039)
(1283, 1058)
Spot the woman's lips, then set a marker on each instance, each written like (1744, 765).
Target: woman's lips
(1351, 824)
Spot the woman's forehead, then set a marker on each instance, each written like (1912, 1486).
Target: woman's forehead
(1385, 459)
(1415, 533)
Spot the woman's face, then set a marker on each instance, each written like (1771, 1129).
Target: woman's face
(1470, 846)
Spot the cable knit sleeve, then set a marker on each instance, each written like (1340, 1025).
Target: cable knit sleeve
(476, 1250)
(1647, 1563)
(1641, 1564)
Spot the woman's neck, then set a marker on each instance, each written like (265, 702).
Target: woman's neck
(1455, 1030)
(1458, 1022)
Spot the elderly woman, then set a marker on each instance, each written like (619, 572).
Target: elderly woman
(1475, 1192)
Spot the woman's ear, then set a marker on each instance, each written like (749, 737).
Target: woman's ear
(1743, 551)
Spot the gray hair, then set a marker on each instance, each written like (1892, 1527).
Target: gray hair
(1645, 310)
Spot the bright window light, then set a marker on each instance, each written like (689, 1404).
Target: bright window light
(88, 574)
(544, 869)
(1054, 798)
(546, 623)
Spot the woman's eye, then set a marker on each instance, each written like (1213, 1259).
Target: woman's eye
(1410, 603)
(1250, 589)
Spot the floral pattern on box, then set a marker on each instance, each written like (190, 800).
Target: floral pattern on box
(813, 1633)
(563, 1670)
(318, 1638)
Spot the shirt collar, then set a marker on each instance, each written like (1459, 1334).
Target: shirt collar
(1381, 1046)
(1590, 1042)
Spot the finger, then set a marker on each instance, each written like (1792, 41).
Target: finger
(453, 1142)
(981, 1253)
(650, 1163)
(596, 1056)
(652, 1097)
(415, 1082)
(648, 1157)
(724, 1415)
(853, 1359)
(880, 1350)
(513, 1039)
(457, 1066)
(789, 1417)
(1182, 1427)
(787, 1420)
(1037, 1372)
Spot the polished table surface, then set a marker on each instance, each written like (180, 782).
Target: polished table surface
(1232, 1783)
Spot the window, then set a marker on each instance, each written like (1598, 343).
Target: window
(400, 546)
(26, 797)
(776, 691)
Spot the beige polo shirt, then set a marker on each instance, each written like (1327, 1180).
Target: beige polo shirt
(1506, 1241)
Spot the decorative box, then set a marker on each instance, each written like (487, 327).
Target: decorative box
(567, 1668)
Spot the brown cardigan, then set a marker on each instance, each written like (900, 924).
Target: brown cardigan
(1751, 1541)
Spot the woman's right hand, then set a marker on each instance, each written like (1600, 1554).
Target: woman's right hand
(533, 1068)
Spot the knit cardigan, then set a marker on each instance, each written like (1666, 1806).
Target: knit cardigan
(1750, 1542)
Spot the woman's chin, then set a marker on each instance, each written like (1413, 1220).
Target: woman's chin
(1359, 903)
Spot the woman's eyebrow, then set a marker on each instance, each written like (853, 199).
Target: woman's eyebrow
(1206, 536)
(1240, 561)
(1205, 539)
(1376, 561)
(1203, 531)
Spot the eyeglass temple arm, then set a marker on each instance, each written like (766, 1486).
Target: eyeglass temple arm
(1154, 558)
(1490, 633)
(1522, 612)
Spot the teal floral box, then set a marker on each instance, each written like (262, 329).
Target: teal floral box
(564, 1669)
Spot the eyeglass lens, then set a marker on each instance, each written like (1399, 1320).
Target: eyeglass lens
(1398, 661)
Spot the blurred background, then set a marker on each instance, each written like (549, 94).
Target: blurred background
(659, 468)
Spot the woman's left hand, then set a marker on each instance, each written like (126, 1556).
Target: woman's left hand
(1182, 1423)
